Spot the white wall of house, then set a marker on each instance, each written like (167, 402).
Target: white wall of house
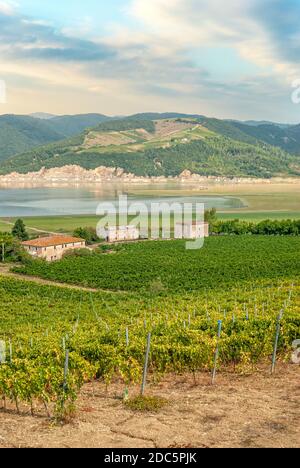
(191, 230)
(121, 233)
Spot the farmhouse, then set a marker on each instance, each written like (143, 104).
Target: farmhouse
(52, 248)
(121, 233)
(193, 230)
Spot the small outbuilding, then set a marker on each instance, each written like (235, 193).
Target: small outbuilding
(121, 233)
(52, 248)
(192, 230)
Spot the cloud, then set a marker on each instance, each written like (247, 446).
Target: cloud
(7, 8)
(266, 32)
(21, 38)
(158, 58)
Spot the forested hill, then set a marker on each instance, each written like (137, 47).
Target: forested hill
(20, 133)
(165, 146)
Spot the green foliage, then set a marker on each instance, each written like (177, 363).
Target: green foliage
(210, 216)
(287, 138)
(9, 248)
(70, 125)
(39, 322)
(215, 155)
(19, 230)
(83, 253)
(21, 133)
(129, 123)
(222, 262)
(89, 234)
(267, 227)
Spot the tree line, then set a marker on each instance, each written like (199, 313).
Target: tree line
(267, 227)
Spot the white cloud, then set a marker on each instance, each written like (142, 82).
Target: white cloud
(7, 8)
(183, 24)
(154, 63)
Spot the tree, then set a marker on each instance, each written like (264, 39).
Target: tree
(210, 217)
(9, 248)
(19, 230)
(89, 234)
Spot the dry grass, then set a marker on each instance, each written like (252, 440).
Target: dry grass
(239, 411)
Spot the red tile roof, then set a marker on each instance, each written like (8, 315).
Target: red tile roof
(52, 241)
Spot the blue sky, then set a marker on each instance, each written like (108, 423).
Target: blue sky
(126, 56)
(71, 12)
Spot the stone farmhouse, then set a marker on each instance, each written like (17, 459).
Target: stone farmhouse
(52, 248)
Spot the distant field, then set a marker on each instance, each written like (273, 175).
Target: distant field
(257, 216)
(67, 224)
(4, 227)
(262, 197)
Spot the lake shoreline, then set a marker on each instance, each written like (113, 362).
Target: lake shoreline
(74, 176)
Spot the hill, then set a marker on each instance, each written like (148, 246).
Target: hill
(42, 115)
(286, 137)
(20, 133)
(70, 125)
(164, 147)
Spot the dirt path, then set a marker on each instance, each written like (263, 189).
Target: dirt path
(239, 411)
(41, 231)
(5, 271)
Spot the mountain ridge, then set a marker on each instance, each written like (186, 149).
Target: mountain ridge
(163, 148)
(154, 144)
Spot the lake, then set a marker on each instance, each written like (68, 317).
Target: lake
(22, 202)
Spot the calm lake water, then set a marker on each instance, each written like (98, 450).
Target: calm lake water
(55, 201)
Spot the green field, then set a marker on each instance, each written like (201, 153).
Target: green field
(256, 216)
(67, 224)
(222, 262)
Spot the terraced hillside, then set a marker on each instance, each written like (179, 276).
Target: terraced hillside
(166, 133)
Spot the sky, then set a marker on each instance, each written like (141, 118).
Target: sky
(237, 59)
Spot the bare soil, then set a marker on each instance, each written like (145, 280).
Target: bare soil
(164, 128)
(239, 411)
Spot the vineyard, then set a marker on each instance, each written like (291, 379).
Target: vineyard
(170, 268)
(103, 335)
